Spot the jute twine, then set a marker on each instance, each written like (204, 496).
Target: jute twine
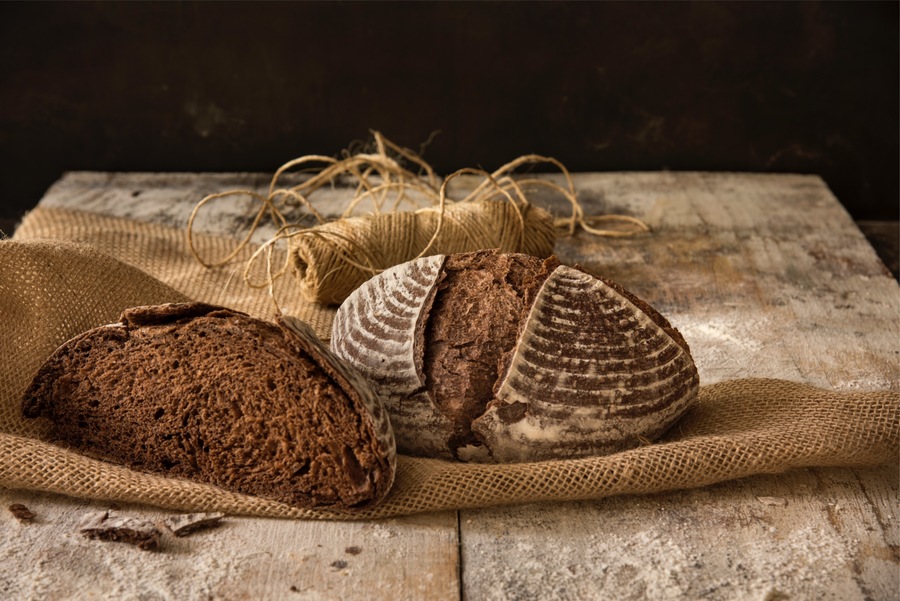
(408, 215)
(58, 278)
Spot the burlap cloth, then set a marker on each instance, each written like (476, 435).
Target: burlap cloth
(65, 272)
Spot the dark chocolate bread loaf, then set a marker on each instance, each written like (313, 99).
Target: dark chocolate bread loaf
(214, 395)
(504, 357)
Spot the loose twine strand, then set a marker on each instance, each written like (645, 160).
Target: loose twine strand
(381, 178)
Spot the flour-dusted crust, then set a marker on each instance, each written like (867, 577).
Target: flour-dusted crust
(378, 330)
(591, 372)
(118, 528)
(213, 395)
(506, 358)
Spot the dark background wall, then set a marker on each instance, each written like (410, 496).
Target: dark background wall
(807, 87)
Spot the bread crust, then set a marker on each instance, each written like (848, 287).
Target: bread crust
(500, 357)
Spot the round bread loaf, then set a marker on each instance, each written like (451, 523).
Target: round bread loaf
(499, 357)
(214, 395)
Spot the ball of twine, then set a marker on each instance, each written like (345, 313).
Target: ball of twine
(408, 215)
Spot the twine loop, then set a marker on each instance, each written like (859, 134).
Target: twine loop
(399, 210)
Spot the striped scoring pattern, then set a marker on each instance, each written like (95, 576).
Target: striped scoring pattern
(375, 330)
(591, 373)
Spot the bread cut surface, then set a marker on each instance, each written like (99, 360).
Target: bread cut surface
(214, 395)
(471, 329)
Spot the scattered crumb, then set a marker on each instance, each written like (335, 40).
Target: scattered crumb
(21, 513)
(184, 524)
(773, 501)
(134, 531)
(354, 550)
(340, 564)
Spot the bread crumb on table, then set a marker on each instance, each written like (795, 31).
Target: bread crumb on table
(21, 513)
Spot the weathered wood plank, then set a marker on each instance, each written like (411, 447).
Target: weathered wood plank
(242, 559)
(884, 236)
(764, 276)
(808, 535)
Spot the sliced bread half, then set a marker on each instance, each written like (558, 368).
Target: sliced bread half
(213, 395)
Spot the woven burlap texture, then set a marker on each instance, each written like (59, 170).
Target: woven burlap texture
(67, 271)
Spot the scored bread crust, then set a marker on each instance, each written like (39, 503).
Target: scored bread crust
(213, 395)
(501, 357)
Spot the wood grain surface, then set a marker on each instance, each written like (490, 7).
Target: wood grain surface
(764, 275)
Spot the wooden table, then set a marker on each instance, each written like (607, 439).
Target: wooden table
(765, 275)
